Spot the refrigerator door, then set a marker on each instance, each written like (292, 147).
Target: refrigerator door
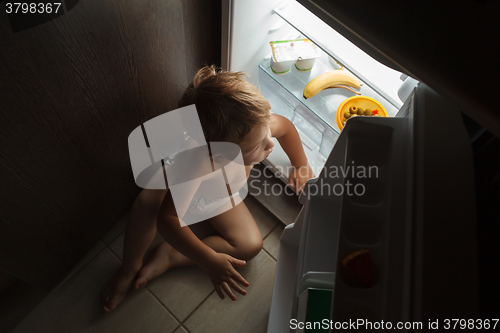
(414, 223)
(451, 46)
(445, 244)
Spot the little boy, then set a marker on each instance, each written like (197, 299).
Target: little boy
(230, 110)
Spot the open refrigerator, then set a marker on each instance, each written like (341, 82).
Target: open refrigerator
(415, 217)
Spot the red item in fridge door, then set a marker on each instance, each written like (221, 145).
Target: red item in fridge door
(358, 270)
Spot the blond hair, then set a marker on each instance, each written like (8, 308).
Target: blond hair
(229, 107)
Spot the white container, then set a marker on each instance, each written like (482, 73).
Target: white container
(302, 52)
(281, 67)
(304, 65)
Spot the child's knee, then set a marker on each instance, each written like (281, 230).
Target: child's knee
(150, 200)
(251, 247)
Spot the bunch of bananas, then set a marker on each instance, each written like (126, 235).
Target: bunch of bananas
(333, 79)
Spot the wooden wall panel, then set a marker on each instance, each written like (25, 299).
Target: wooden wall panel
(202, 31)
(71, 91)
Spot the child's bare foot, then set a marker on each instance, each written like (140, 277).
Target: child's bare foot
(115, 289)
(160, 262)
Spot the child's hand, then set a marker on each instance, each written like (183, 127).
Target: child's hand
(298, 178)
(221, 272)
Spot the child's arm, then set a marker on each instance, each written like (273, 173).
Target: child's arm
(288, 137)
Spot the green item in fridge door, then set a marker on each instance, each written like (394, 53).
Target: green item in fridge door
(315, 306)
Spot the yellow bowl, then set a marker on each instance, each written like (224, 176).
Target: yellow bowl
(358, 101)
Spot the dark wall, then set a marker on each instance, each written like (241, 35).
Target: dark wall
(71, 91)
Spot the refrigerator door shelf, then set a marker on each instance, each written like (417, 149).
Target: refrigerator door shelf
(384, 80)
(334, 224)
(312, 279)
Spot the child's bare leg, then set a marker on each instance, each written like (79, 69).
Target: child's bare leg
(139, 233)
(240, 238)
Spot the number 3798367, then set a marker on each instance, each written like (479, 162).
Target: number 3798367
(32, 7)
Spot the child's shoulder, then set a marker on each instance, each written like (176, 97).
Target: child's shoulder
(279, 125)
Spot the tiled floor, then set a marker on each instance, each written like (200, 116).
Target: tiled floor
(182, 300)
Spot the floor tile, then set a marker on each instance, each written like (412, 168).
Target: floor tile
(272, 242)
(265, 220)
(180, 330)
(75, 306)
(248, 313)
(181, 289)
(116, 230)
